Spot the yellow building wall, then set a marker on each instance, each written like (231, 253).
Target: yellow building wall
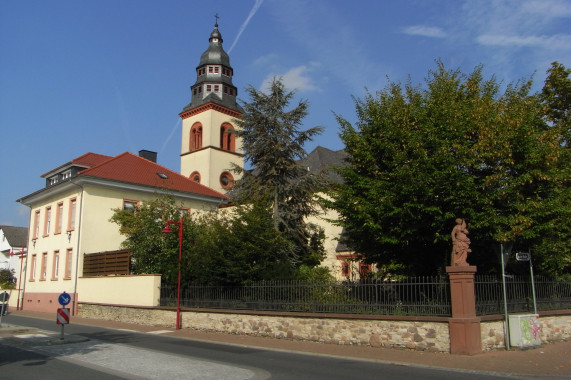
(93, 232)
(50, 243)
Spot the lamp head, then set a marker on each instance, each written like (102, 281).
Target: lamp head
(167, 230)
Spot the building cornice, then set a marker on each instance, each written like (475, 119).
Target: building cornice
(213, 148)
(209, 106)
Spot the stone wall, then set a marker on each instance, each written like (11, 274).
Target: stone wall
(431, 335)
(554, 328)
(426, 334)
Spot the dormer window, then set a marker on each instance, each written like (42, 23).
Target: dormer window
(54, 180)
(66, 174)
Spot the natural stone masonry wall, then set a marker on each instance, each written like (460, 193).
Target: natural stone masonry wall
(399, 334)
(432, 336)
(553, 329)
(415, 335)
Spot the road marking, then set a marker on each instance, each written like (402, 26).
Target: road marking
(140, 363)
(157, 332)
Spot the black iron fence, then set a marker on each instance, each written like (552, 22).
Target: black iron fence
(550, 294)
(419, 296)
(413, 296)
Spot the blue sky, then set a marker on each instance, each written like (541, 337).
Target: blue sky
(111, 76)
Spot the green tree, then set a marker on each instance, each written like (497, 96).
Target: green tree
(421, 157)
(7, 279)
(273, 143)
(151, 250)
(552, 244)
(230, 249)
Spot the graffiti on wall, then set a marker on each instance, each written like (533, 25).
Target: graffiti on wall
(530, 328)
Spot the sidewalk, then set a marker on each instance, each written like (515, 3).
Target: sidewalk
(551, 361)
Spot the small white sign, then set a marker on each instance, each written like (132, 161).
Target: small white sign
(523, 256)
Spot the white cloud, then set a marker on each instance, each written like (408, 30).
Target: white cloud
(558, 41)
(423, 30)
(266, 59)
(295, 79)
(548, 8)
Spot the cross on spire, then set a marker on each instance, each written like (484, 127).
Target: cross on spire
(216, 17)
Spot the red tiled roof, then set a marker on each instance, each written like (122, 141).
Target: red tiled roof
(131, 168)
(90, 159)
(87, 160)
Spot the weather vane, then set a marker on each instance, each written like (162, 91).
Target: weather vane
(216, 17)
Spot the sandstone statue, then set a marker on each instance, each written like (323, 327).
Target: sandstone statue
(460, 244)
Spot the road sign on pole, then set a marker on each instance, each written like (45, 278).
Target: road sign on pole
(64, 299)
(523, 256)
(63, 316)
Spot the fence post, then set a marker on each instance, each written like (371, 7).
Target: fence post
(464, 326)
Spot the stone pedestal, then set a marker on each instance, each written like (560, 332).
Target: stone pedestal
(464, 326)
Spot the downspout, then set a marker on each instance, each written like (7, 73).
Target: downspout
(74, 301)
(21, 297)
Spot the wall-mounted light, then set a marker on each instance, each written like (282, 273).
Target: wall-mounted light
(34, 242)
(68, 236)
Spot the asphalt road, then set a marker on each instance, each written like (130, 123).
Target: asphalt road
(113, 354)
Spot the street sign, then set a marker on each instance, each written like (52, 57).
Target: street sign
(62, 316)
(64, 299)
(4, 297)
(523, 256)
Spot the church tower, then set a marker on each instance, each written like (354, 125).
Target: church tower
(209, 144)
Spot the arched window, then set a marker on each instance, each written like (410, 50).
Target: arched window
(227, 137)
(196, 137)
(195, 176)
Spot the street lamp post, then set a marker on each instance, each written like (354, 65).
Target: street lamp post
(167, 230)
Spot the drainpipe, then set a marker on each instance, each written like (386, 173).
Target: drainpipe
(74, 300)
(21, 300)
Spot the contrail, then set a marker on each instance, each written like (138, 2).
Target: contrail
(174, 129)
(257, 5)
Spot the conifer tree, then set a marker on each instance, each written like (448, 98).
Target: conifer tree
(273, 142)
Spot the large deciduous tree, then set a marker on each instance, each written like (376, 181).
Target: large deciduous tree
(273, 143)
(229, 249)
(420, 157)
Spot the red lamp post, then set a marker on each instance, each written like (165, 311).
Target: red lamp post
(167, 230)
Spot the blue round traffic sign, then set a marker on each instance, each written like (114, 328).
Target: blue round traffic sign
(64, 299)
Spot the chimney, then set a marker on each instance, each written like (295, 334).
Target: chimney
(147, 154)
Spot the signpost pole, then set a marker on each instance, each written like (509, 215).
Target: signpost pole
(532, 286)
(507, 321)
(63, 313)
(526, 256)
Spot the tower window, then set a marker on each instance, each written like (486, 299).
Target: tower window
(216, 70)
(210, 69)
(208, 88)
(216, 88)
(227, 137)
(195, 137)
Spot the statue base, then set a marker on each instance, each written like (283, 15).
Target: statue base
(464, 326)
